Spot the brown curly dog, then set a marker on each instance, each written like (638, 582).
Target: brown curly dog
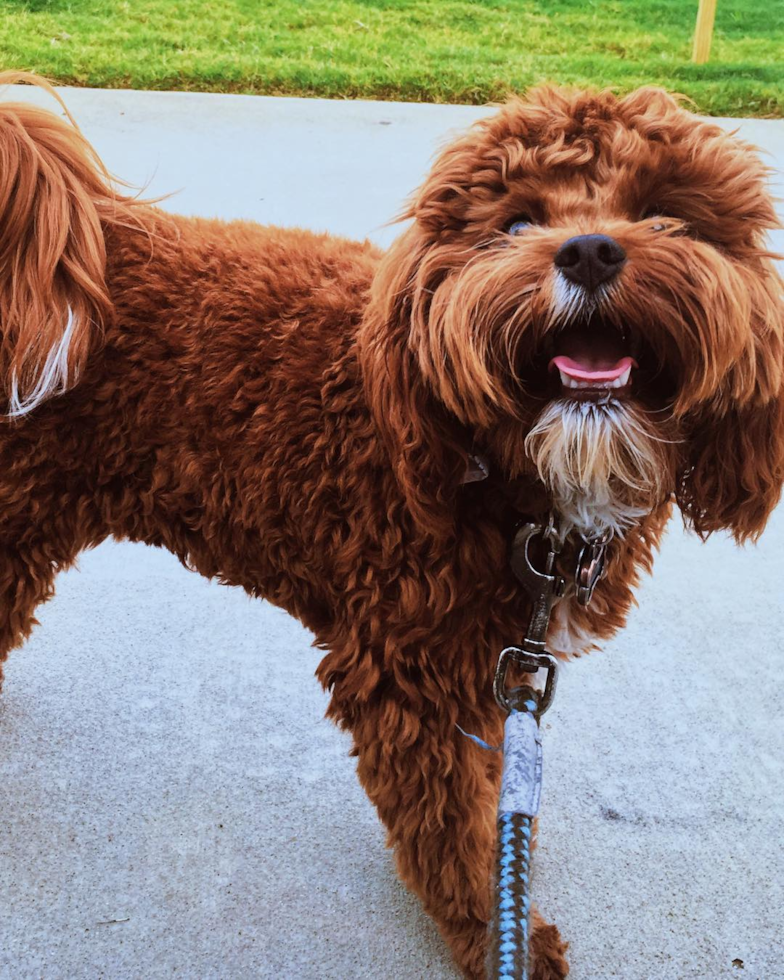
(582, 305)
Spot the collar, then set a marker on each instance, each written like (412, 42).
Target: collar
(477, 469)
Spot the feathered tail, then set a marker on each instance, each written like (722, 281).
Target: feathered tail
(55, 197)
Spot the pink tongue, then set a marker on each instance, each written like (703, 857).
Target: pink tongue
(606, 372)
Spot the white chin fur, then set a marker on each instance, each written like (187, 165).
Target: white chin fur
(601, 462)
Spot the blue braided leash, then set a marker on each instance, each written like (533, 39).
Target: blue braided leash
(521, 782)
(512, 902)
(517, 807)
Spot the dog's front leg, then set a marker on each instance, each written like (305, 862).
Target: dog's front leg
(436, 792)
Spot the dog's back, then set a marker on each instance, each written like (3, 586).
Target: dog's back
(182, 382)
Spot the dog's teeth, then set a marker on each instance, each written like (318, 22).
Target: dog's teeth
(568, 382)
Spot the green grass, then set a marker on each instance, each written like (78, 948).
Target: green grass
(421, 50)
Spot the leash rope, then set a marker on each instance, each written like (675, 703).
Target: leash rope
(518, 804)
(510, 945)
(521, 780)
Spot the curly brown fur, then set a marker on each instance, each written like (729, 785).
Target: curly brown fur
(293, 413)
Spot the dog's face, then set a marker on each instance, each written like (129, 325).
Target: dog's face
(586, 290)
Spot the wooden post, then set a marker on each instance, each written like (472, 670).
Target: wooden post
(703, 31)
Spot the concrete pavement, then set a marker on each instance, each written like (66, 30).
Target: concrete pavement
(173, 803)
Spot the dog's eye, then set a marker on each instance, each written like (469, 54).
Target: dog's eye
(649, 214)
(520, 225)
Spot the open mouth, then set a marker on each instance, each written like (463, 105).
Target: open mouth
(593, 361)
(601, 359)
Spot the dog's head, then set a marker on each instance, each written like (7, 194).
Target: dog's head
(585, 294)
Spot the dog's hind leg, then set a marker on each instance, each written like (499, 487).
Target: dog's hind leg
(26, 580)
(29, 563)
(22, 588)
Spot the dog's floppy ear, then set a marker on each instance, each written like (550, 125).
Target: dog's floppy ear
(425, 446)
(734, 467)
(735, 471)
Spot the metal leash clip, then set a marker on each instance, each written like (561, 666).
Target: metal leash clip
(514, 699)
(544, 588)
(590, 566)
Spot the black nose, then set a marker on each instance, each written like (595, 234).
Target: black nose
(590, 260)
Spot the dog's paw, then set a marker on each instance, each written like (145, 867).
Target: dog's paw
(548, 952)
(468, 940)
